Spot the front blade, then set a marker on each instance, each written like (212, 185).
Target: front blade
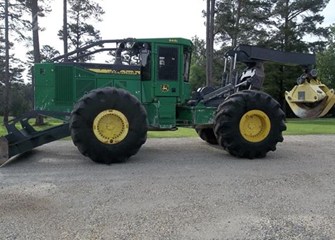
(3, 151)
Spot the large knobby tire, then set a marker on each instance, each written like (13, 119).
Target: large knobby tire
(108, 125)
(207, 134)
(249, 124)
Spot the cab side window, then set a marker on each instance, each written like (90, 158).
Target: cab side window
(168, 63)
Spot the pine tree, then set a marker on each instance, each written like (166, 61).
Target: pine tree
(198, 66)
(292, 21)
(36, 9)
(241, 21)
(11, 69)
(238, 22)
(326, 60)
(80, 30)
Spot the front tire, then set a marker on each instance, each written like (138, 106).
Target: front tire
(249, 124)
(108, 125)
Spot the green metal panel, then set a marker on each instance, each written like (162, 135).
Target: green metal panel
(167, 112)
(174, 41)
(195, 115)
(83, 86)
(134, 87)
(44, 93)
(105, 82)
(80, 72)
(64, 87)
(185, 92)
(59, 86)
(162, 113)
(147, 92)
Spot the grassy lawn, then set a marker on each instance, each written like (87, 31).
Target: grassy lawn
(307, 126)
(49, 122)
(294, 127)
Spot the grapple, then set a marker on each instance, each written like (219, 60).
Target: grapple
(310, 99)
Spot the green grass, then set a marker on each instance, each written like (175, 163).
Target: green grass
(49, 122)
(310, 126)
(2, 131)
(2, 128)
(294, 127)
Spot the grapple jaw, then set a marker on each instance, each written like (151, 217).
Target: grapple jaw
(4, 157)
(310, 99)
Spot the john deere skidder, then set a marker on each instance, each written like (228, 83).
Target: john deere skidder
(107, 108)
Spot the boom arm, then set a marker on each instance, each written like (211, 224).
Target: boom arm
(247, 53)
(254, 57)
(253, 76)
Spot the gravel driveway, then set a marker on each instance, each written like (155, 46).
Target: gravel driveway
(172, 189)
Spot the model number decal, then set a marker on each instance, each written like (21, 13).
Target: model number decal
(112, 71)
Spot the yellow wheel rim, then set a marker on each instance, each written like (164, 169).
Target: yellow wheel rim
(255, 126)
(110, 126)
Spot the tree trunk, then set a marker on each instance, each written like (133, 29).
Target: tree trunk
(7, 82)
(37, 55)
(209, 41)
(237, 23)
(208, 4)
(39, 120)
(65, 35)
(284, 48)
(35, 29)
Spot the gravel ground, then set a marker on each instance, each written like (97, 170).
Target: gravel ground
(172, 189)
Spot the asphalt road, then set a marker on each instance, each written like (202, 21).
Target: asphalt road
(172, 189)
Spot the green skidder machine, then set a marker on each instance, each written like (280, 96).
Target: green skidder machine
(107, 108)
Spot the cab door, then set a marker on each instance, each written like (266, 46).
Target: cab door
(167, 71)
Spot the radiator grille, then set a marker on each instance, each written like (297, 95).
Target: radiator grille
(64, 85)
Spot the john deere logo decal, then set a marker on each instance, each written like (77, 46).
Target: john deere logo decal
(165, 87)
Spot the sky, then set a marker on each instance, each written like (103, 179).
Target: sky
(144, 19)
(137, 19)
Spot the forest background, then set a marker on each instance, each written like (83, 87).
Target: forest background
(286, 25)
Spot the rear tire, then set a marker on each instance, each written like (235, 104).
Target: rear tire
(249, 124)
(207, 134)
(108, 125)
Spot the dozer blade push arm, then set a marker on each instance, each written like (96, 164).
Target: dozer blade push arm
(18, 141)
